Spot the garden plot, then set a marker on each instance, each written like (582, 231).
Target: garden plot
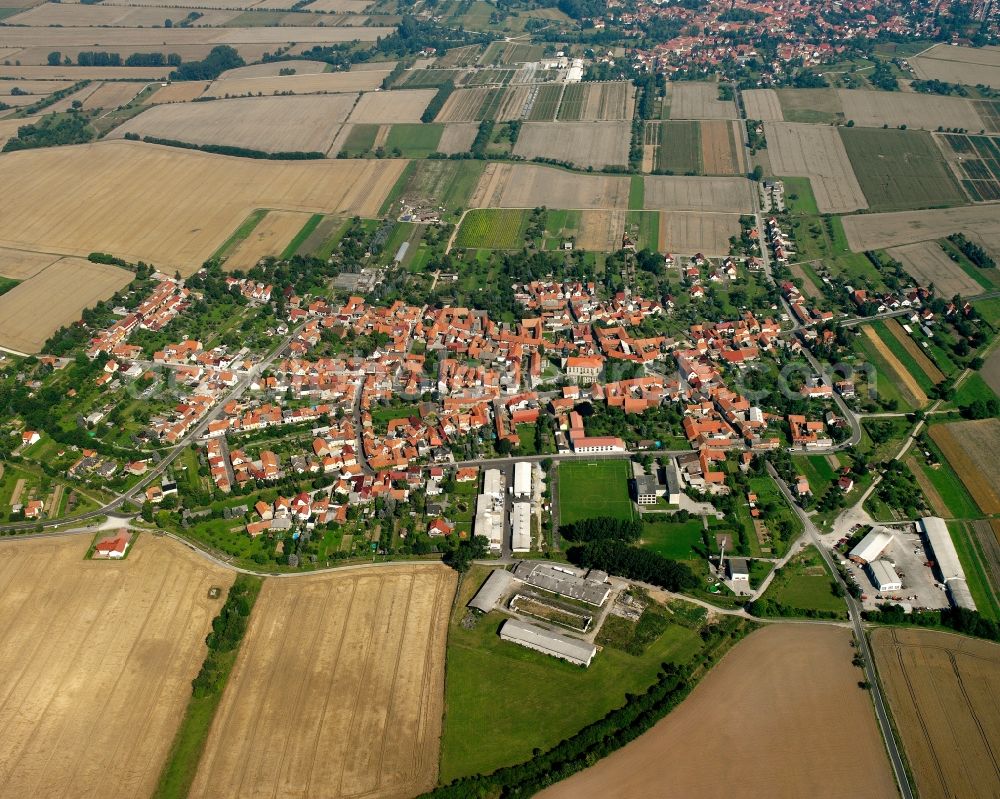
(582, 143)
(816, 152)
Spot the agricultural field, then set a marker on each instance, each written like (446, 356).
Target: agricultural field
(393, 106)
(33, 310)
(966, 65)
(688, 233)
(680, 193)
(530, 185)
(889, 366)
(546, 102)
(588, 489)
(591, 102)
(465, 56)
(183, 92)
(941, 689)
(80, 15)
(269, 237)
(457, 137)
(272, 124)
(817, 106)
(600, 231)
(492, 229)
(909, 353)
(306, 83)
(272, 69)
(438, 182)
(111, 95)
(363, 661)
(75, 73)
(692, 100)
(644, 227)
(881, 231)
(816, 152)
(777, 682)
(98, 659)
(147, 221)
(970, 448)
(900, 169)
(719, 150)
(21, 264)
(428, 78)
(677, 147)
(474, 105)
(976, 161)
(928, 263)
(762, 104)
(510, 53)
(871, 109)
(584, 144)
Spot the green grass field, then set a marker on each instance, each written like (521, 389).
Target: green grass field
(904, 357)
(360, 140)
(526, 699)
(805, 584)
(240, 233)
(679, 148)
(647, 227)
(588, 489)
(973, 388)
(886, 387)
(636, 193)
(799, 197)
(974, 566)
(677, 540)
(302, 235)
(493, 229)
(900, 169)
(414, 140)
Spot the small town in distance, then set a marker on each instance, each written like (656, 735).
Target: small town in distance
(462, 398)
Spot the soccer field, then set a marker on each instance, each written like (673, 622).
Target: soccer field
(588, 489)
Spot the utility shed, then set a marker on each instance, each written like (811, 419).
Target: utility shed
(522, 480)
(883, 576)
(492, 591)
(871, 546)
(549, 642)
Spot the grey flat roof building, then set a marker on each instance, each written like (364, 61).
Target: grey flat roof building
(563, 580)
(549, 642)
(492, 591)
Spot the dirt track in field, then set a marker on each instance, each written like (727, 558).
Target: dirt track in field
(97, 659)
(338, 690)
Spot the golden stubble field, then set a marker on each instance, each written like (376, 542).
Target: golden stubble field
(781, 717)
(928, 263)
(688, 233)
(338, 690)
(683, 193)
(595, 144)
(879, 231)
(168, 207)
(762, 104)
(942, 690)
(306, 83)
(871, 109)
(270, 237)
(97, 659)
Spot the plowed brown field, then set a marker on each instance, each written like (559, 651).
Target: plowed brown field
(338, 690)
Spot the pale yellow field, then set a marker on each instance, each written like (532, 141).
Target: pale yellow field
(528, 186)
(315, 83)
(875, 109)
(33, 310)
(968, 65)
(165, 206)
(270, 237)
(458, 137)
(111, 95)
(693, 100)
(928, 263)
(601, 231)
(878, 231)
(682, 193)
(596, 144)
(79, 15)
(762, 104)
(73, 74)
(39, 87)
(177, 92)
(272, 124)
(272, 69)
(338, 690)
(97, 659)
(393, 106)
(687, 233)
(339, 6)
(22, 264)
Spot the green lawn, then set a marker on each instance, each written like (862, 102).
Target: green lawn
(799, 197)
(588, 489)
(677, 540)
(973, 388)
(805, 584)
(636, 194)
(502, 700)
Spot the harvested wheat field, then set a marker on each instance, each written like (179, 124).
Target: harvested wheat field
(687, 233)
(357, 708)
(980, 223)
(111, 95)
(762, 104)
(321, 83)
(165, 206)
(272, 124)
(271, 235)
(942, 690)
(457, 137)
(36, 87)
(968, 65)
(871, 109)
(22, 264)
(528, 186)
(682, 193)
(386, 107)
(816, 152)
(73, 74)
(971, 448)
(178, 93)
(595, 144)
(718, 148)
(691, 100)
(81, 15)
(779, 712)
(927, 263)
(33, 310)
(901, 378)
(926, 364)
(600, 231)
(98, 659)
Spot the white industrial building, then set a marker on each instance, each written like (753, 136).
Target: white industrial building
(942, 550)
(489, 510)
(739, 570)
(522, 480)
(492, 591)
(883, 576)
(520, 527)
(549, 642)
(871, 546)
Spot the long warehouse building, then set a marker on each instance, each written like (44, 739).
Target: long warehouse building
(549, 642)
(946, 559)
(522, 480)
(520, 527)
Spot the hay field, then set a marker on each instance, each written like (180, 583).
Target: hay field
(338, 689)
(718, 148)
(384, 107)
(776, 717)
(901, 378)
(601, 231)
(528, 186)
(22, 264)
(111, 95)
(871, 109)
(691, 100)
(682, 193)
(942, 690)
(581, 143)
(968, 65)
(928, 263)
(308, 83)
(816, 152)
(79, 15)
(33, 310)
(457, 137)
(926, 365)
(98, 659)
(177, 93)
(762, 104)
(271, 235)
(272, 124)
(971, 448)
(271, 69)
(165, 206)
(687, 233)
(879, 231)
